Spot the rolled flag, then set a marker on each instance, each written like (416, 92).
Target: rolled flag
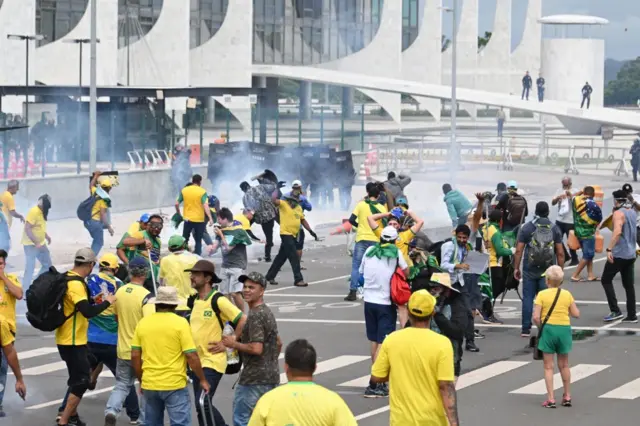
(236, 235)
(176, 220)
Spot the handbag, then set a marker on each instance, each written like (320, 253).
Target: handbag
(533, 342)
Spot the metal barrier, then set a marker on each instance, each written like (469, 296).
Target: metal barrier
(622, 167)
(571, 165)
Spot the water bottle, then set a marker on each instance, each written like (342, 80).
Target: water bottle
(232, 354)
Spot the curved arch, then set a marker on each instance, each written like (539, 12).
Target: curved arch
(494, 61)
(55, 19)
(135, 21)
(206, 20)
(412, 19)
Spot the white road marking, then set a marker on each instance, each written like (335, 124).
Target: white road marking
(273, 290)
(594, 261)
(59, 401)
(37, 352)
(332, 364)
(611, 324)
(372, 413)
(628, 391)
(579, 372)
(44, 369)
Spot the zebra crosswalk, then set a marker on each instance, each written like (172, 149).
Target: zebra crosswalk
(347, 374)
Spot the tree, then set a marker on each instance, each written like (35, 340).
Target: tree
(625, 89)
(483, 41)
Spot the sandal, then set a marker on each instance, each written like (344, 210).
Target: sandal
(566, 402)
(549, 403)
(593, 279)
(577, 280)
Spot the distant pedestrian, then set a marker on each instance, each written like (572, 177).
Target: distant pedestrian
(100, 216)
(540, 82)
(554, 308)
(564, 199)
(396, 185)
(501, 118)
(635, 157)
(527, 82)
(36, 241)
(458, 206)
(587, 215)
(9, 203)
(586, 95)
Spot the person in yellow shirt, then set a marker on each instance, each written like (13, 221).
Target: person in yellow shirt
(246, 219)
(161, 348)
(365, 237)
(71, 337)
(210, 311)
(36, 240)
(196, 208)
(135, 230)
(100, 217)
(133, 304)
(173, 270)
(9, 203)
(11, 359)
(301, 401)
(418, 364)
(554, 335)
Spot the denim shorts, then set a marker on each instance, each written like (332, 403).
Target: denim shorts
(588, 248)
(379, 320)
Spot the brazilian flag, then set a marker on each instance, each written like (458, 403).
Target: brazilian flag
(236, 235)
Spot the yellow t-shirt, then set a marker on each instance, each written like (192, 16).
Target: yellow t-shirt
(164, 338)
(74, 331)
(493, 258)
(404, 238)
(362, 212)
(134, 230)
(172, 273)
(38, 227)
(99, 205)
(246, 225)
(193, 197)
(8, 302)
(131, 307)
(206, 329)
(6, 336)
(303, 404)
(560, 314)
(290, 219)
(8, 204)
(416, 360)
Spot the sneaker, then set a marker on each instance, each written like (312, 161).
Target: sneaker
(613, 316)
(135, 422)
(477, 334)
(471, 347)
(377, 392)
(351, 297)
(525, 333)
(267, 260)
(272, 282)
(627, 319)
(385, 388)
(301, 284)
(492, 319)
(76, 421)
(110, 420)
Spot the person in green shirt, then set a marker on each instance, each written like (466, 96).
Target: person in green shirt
(147, 244)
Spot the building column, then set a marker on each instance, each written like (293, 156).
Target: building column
(347, 102)
(272, 97)
(304, 95)
(211, 110)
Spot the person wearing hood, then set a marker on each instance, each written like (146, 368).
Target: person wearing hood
(635, 157)
(100, 217)
(396, 185)
(258, 200)
(35, 240)
(458, 205)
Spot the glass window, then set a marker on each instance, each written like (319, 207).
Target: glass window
(206, 19)
(136, 18)
(56, 18)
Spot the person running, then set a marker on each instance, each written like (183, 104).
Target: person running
(621, 257)
(100, 217)
(172, 270)
(301, 401)
(260, 346)
(418, 364)
(498, 249)
(458, 206)
(148, 245)
(10, 293)
(296, 192)
(161, 348)
(35, 240)
(72, 336)
(365, 237)
(133, 304)
(10, 358)
(208, 316)
(291, 220)
(258, 199)
(555, 336)
(539, 246)
(396, 185)
(196, 208)
(379, 263)
(564, 199)
(587, 215)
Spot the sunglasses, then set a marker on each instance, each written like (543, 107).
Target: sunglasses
(156, 225)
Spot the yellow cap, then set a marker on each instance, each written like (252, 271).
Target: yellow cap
(105, 182)
(421, 304)
(109, 260)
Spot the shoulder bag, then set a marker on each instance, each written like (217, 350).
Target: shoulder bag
(537, 353)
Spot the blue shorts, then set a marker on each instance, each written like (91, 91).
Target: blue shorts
(379, 320)
(588, 248)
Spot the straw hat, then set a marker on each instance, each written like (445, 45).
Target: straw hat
(443, 279)
(167, 295)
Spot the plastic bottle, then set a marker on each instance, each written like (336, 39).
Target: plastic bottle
(232, 354)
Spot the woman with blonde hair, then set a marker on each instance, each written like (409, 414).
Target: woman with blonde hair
(553, 310)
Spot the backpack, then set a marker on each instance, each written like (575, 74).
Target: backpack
(231, 368)
(436, 249)
(400, 288)
(45, 301)
(540, 254)
(516, 206)
(86, 207)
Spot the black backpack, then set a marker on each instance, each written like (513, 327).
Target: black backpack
(231, 368)
(516, 207)
(541, 251)
(45, 300)
(85, 208)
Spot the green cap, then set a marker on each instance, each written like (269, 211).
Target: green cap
(176, 241)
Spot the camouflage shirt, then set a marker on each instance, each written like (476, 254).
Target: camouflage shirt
(262, 369)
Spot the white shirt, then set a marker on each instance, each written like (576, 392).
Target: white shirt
(567, 218)
(377, 277)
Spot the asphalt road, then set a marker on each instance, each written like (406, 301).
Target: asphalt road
(500, 385)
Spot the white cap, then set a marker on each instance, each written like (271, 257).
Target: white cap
(296, 184)
(389, 233)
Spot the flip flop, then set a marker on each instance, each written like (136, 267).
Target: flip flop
(577, 280)
(593, 279)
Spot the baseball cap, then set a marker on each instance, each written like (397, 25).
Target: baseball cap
(397, 212)
(422, 304)
(512, 184)
(402, 201)
(206, 267)
(256, 277)
(389, 233)
(144, 218)
(109, 260)
(85, 255)
(138, 262)
(176, 241)
(296, 184)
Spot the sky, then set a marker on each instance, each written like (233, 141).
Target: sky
(622, 14)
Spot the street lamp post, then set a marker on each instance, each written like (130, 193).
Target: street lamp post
(455, 154)
(80, 42)
(26, 38)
